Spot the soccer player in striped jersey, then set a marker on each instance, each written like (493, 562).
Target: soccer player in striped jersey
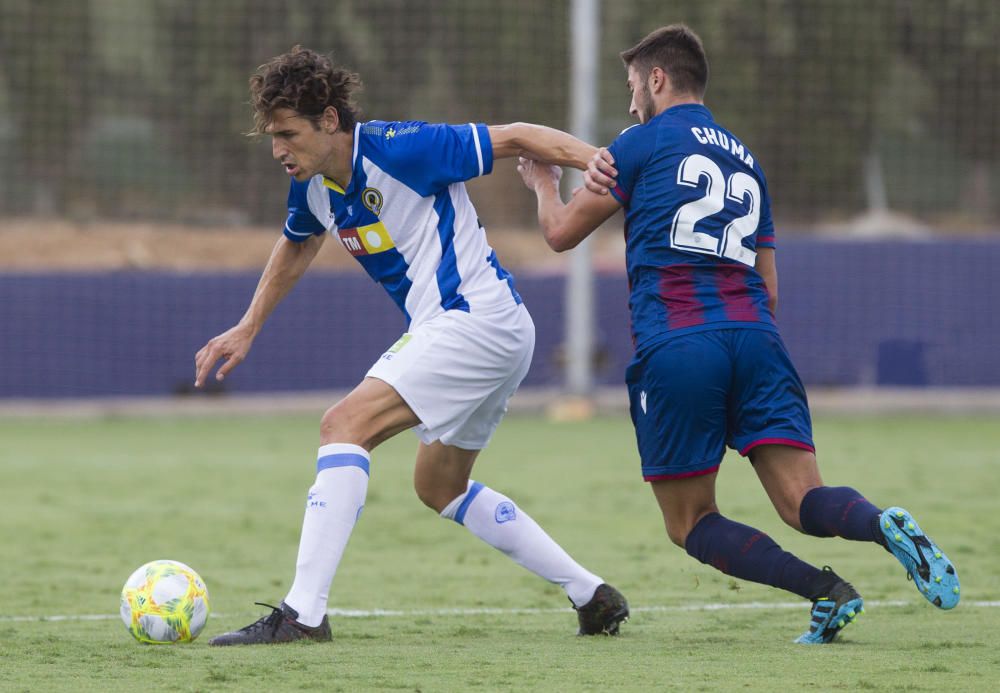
(710, 369)
(393, 194)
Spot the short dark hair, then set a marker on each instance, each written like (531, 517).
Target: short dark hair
(306, 82)
(676, 50)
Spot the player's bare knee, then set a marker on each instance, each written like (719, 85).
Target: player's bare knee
(434, 497)
(789, 514)
(789, 507)
(677, 529)
(786, 497)
(331, 425)
(435, 492)
(677, 535)
(429, 497)
(340, 425)
(680, 524)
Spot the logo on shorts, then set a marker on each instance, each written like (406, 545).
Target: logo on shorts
(642, 401)
(394, 349)
(505, 512)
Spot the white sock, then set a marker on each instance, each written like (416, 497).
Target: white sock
(495, 519)
(334, 505)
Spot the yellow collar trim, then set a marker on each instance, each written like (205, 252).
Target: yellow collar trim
(333, 186)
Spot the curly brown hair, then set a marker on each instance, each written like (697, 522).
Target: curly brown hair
(306, 82)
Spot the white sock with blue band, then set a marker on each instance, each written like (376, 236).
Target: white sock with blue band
(333, 507)
(495, 519)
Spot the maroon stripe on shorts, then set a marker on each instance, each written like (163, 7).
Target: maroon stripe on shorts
(680, 475)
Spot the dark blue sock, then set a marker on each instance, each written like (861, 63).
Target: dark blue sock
(839, 511)
(749, 554)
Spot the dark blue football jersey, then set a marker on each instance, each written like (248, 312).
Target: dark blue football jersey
(696, 211)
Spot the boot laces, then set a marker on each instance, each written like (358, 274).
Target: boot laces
(270, 622)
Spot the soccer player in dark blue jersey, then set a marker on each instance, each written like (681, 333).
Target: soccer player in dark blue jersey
(710, 368)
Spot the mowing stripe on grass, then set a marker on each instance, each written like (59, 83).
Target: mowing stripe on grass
(393, 613)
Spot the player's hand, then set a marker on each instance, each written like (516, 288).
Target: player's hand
(232, 345)
(601, 172)
(534, 172)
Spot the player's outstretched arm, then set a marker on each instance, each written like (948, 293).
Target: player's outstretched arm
(288, 262)
(564, 225)
(541, 143)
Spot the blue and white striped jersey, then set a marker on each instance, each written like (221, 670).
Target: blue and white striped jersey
(408, 219)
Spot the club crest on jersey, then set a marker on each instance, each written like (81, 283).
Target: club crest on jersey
(371, 198)
(366, 240)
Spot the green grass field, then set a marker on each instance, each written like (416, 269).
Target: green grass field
(83, 503)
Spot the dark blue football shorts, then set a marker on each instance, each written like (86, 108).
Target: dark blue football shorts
(694, 394)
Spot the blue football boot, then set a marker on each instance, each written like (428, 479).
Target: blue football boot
(831, 613)
(925, 563)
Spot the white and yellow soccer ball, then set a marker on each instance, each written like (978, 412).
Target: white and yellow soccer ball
(164, 602)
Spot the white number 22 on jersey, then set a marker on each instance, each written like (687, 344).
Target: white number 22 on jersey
(740, 188)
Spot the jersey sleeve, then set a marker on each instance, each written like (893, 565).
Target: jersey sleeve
(630, 151)
(765, 227)
(301, 223)
(429, 157)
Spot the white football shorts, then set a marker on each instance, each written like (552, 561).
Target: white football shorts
(457, 372)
